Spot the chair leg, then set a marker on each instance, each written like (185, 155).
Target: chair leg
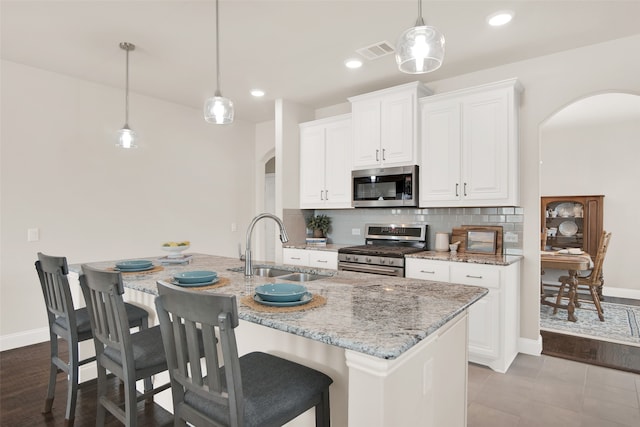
(131, 402)
(559, 298)
(101, 394)
(323, 413)
(72, 384)
(596, 302)
(53, 373)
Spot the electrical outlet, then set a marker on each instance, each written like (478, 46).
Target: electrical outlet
(355, 231)
(33, 235)
(510, 237)
(234, 226)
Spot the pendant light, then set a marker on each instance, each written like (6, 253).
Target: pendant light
(218, 109)
(126, 137)
(420, 49)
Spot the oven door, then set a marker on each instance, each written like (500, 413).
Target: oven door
(371, 268)
(385, 187)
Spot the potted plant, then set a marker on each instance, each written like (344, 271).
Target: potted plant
(319, 224)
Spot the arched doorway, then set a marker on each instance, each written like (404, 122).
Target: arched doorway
(591, 147)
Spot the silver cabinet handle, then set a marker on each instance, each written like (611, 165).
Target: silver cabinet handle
(321, 195)
(322, 260)
(465, 189)
(297, 258)
(383, 156)
(427, 272)
(474, 277)
(377, 157)
(457, 186)
(326, 194)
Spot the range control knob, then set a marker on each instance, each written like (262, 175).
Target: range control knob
(355, 259)
(391, 262)
(348, 258)
(368, 260)
(383, 261)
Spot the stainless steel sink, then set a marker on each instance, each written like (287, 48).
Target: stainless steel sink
(269, 272)
(301, 277)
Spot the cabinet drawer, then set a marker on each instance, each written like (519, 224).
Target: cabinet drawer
(427, 269)
(323, 259)
(487, 276)
(295, 256)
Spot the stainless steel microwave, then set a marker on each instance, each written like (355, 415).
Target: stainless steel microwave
(385, 187)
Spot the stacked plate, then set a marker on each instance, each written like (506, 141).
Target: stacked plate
(134, 265)
(282, 295)
(195, 278)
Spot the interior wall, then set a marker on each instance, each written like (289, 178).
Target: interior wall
(599, 158)
(62, 174)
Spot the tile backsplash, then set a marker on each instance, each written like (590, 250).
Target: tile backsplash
(345, 221)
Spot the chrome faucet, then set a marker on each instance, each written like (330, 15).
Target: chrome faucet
(248, 268)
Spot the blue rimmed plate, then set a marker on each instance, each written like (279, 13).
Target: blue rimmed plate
(134, 264)
(195, 285)
(280, 292)
(190, 277)
(306, 298)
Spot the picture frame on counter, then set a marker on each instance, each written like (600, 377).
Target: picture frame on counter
(481, 242)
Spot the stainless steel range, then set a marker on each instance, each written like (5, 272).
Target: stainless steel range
(384, 249)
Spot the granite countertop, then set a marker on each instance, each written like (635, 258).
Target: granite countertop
(468, 258)
(381, 316)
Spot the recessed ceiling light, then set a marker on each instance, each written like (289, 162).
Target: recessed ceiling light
(500, 18)
(353, 63)
(257, 93)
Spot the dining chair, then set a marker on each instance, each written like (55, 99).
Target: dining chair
(257, 389)
(594, 281)
(129, 356)
(70, 324)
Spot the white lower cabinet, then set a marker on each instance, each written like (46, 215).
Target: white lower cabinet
(494, 320)
(310, 258)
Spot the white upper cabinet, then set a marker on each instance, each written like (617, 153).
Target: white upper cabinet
(385, 126)
(469, 147)
(325, 163)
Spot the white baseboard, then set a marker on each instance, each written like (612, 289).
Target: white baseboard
(529, 346)
(621, 292)
(22, 339)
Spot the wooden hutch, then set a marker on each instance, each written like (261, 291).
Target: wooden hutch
(576, 221)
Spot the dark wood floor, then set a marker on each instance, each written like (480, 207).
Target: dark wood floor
(594, 352)
(24, 373)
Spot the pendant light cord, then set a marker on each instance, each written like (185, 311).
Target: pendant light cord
(420, 21)
(217, 50)
(126, 96)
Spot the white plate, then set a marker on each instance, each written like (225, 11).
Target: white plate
(568, 228)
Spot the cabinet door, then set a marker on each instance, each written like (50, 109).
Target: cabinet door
(295, 256)
(312, 160)
(440, 157)
(337, 168)
(398, 131)
(484, 315)
(323, 259)
(485, 146)
(366, 133)
(484, 321)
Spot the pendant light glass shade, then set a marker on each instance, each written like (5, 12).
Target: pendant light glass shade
(420, 49)
(126, 137)
(218, 109)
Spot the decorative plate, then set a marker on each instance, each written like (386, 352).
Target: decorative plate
(134, 264)
(189, 277)
(568, 228)
(195, 285)
(565, 210)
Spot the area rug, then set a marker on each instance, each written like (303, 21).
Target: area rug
(621, 323)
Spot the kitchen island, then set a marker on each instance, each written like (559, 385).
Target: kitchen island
(396, 348)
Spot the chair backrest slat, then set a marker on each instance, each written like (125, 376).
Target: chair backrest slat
(52, 272)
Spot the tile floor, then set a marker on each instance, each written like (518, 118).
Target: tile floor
(548, 391)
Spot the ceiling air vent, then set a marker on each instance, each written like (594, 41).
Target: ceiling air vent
(376, 50)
